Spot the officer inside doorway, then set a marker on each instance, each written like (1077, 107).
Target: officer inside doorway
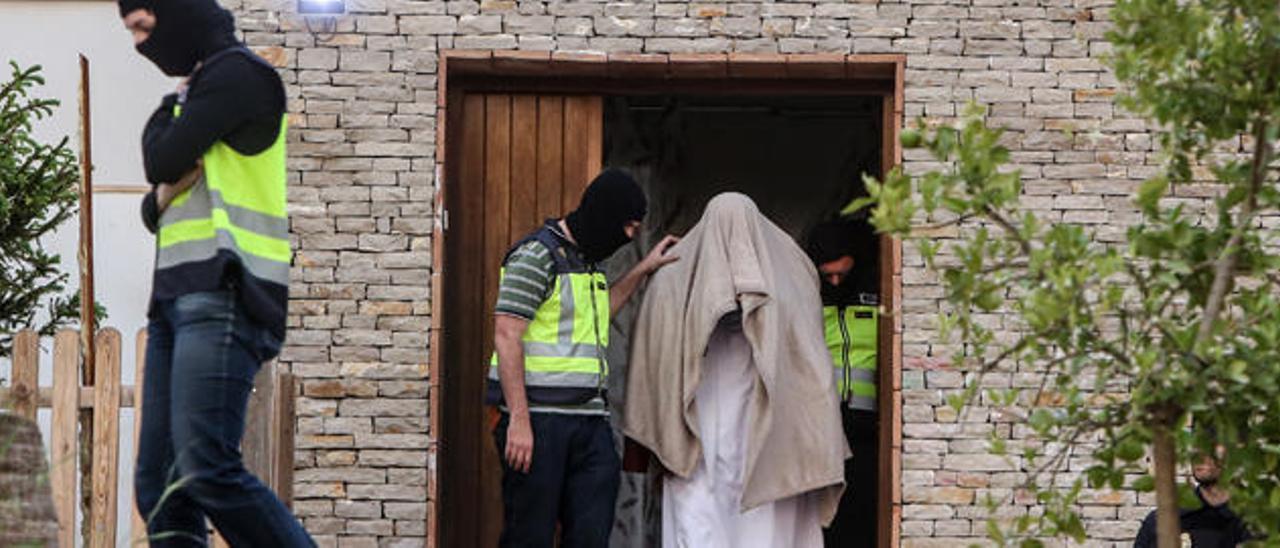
(845, 253)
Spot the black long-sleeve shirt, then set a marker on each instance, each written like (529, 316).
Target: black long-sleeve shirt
(231, 98)
(1209, 527)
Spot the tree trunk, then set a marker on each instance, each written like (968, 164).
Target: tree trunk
(1168, 528)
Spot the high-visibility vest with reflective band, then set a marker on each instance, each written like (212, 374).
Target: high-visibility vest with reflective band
(850, 332)
(238, 206)
(564, 361)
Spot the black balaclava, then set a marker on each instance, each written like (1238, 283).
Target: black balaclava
(186, 32)
(832, 240)
(611, 201)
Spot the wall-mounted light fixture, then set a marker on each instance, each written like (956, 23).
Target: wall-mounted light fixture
(321, 7)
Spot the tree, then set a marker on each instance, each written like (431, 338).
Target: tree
(37, 193)
(1177, 325)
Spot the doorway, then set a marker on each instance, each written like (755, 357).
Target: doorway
(518, 146)
(799, 158)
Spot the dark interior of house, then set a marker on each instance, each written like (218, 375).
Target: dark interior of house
(801, 159)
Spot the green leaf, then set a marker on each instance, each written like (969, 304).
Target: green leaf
(1097, 476)
(994, 533)
(857, 204)
(1150, 192)
(1040, 420)
(1144, 484)
(910, 138)
(989, 301)
(1237, 371)
(1130, 450)
(1187, 498)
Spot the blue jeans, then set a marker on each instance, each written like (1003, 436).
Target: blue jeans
(573, 481)
(202, 354)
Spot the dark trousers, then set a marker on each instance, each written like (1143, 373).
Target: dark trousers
(202, 354)
(855, 523)
(573, 481)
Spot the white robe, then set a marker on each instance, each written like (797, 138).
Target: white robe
(703, 511)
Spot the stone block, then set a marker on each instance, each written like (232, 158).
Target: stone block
(357, 509)
(387, 492)
(529, 24)
(364, 61)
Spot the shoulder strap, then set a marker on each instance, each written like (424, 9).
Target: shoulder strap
(552, 242)
(565, 261)
(548, 240)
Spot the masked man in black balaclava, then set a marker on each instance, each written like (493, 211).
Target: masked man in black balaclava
(1207, 523)
(548, 375)
(214, 153)
(845, 253)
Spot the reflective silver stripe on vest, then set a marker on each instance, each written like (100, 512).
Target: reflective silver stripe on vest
(200, 204)
(864, 403)
(858, 374)
(566, 310)
(544, 350)
(197, 205)
(564, 347)
(866, 376)
(203, 250)
(553, 379)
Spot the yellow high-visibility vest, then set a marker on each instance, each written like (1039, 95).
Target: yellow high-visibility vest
(238, 206)
(850, 332)
(564, 361)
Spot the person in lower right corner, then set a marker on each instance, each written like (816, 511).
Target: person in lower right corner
(1209, 524)
(844, 252)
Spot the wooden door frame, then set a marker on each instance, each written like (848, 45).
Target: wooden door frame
(463, 71)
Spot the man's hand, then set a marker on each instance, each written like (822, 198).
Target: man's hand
(166, 193)
(507, 332)
(520, 444)
(658, 257)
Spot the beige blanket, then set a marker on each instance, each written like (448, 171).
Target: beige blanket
(735, 255)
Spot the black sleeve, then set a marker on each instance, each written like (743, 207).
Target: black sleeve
(150, 212)
(1239, 531)
(1147, 533)
(223, 97)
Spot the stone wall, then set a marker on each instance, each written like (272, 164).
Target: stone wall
(362, 98)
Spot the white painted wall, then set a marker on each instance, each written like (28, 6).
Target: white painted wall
(125, 88)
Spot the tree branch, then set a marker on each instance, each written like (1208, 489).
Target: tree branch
(1008, 228)
(1224, 268)
(943, 224)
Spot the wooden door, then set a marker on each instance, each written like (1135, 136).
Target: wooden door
(518, 160)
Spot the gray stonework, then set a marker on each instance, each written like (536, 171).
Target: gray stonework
(362, 100)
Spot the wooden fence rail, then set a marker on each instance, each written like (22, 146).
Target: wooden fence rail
(267, 445)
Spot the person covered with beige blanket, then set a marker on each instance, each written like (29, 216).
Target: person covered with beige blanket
(730, 387)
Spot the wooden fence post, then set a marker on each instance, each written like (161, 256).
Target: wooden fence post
(66, 408)
(106, 439)
(138, 530)
(282, 453)
(25, 394)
